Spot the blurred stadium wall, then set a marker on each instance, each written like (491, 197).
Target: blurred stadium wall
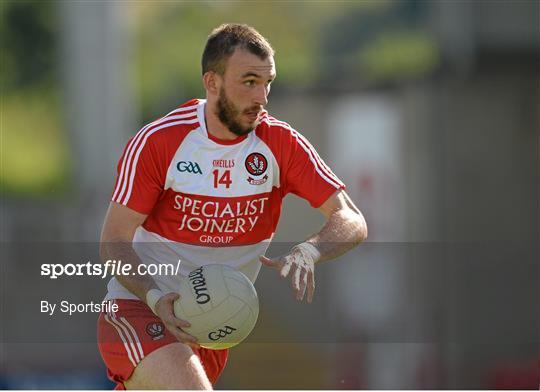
(427, 110)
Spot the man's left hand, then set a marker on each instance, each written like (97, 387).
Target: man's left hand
(300, 264)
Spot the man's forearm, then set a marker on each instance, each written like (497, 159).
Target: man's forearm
(343, 230)
(123, 250)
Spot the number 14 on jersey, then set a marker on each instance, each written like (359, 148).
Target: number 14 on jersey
(223, 179)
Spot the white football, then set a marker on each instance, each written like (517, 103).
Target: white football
(220, 303)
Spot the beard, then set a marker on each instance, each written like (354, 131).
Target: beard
(229, 115)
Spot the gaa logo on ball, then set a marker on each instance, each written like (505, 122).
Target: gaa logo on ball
(220, 303)
(221, 333)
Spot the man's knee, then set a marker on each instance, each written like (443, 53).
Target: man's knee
(174, 366)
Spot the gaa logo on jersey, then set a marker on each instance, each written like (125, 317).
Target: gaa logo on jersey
(190, 167)
(155, 330)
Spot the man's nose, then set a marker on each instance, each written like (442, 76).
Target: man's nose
(261, 96)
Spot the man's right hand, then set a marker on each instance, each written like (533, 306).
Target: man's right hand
(165, 311)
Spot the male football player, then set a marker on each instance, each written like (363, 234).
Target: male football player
(204, 184)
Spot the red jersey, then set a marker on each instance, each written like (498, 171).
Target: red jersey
(210, 200)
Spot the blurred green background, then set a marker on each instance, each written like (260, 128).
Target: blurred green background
(318, 44)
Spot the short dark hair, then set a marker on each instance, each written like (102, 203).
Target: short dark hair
(225, 39)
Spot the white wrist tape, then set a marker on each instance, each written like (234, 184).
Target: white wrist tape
(152, 297)
(310, 250)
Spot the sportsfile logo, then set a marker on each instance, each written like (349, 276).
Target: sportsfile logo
(188, 166)
(108, 268)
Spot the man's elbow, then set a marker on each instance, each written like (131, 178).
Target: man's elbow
(363, 233)
(361, 230)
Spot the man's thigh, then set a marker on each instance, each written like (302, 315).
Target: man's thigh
(133, 342)
(174, 366)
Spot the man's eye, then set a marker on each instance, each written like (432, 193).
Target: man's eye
(249, 83)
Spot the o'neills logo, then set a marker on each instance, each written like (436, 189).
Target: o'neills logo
(225, 163)
(196, 278)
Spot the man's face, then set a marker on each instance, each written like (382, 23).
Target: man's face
(244, 91)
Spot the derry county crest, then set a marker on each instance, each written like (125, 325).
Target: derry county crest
(155, 330)
(256, 165)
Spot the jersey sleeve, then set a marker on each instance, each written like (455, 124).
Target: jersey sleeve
(141, 176)
(307, 175)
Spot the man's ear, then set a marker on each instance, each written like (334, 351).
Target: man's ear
(211, 81)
